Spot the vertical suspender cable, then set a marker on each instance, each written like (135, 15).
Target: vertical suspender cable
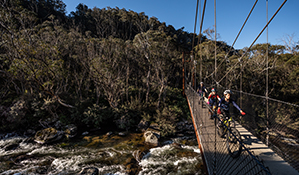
(225, 58)
(267, 80)
(199, 38)
(192, 53)
(215, 146)
(241, 69)
(215, 40)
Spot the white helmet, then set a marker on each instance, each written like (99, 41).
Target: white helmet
(227, 92)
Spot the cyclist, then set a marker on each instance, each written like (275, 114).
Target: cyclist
(223, 106)
(202, 90)
(212, 100)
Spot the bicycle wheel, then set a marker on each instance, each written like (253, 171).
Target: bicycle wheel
(219, 127)
(233, 145)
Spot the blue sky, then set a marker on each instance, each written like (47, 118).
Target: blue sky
(230, 16)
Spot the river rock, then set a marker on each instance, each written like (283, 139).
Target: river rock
(71, 131)
(29, 132)
(48, 135)
(40, 170)
(176, 145)
(109, 133)
(131, 166)
(152, 136)
(122, 134)
(138, 154)
(85, 133)
(184, 126)
(90, 171)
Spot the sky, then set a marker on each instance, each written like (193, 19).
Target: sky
(230, 16)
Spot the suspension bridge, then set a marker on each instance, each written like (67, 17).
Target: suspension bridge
(269, 139)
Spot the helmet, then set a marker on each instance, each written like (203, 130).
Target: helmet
(227, 92)
(201, 82)
(213, 90)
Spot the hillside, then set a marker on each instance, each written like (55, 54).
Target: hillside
(113, 67)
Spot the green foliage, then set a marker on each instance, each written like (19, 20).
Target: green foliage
(126, 121)
(95, 115)
(146, 117)
(166, 119)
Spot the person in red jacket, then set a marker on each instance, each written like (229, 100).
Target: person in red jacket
(212, 101)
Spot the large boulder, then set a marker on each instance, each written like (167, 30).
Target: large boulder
(48, 135)
(152, 137)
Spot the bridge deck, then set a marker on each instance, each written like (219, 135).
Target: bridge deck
(275, 163)
(205, 129)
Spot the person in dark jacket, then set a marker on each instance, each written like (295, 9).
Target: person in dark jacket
(224, 103)
(201, 90)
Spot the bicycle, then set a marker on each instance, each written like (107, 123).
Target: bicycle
(233, 137)
(201, 96)
(213, 112)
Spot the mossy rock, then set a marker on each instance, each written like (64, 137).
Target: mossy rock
(48, 135)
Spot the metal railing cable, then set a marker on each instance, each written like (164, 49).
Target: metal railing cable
(261, 96)
(216, 155)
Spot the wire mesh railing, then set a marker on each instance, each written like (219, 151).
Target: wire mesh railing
(279, 129)
(215, 149)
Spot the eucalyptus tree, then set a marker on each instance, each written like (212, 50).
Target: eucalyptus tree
(82, 19)
(109, 71)
(142, 43)
(162, 59)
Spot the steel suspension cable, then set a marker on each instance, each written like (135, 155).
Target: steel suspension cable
(201, 22)
(267, 76)
(199, 38)
(240, 59)
(235, 38)
(195, 24)
(194, 66)
(215, 150)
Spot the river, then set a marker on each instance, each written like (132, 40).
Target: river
(107, 155)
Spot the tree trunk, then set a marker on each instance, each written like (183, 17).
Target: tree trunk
(147, 83)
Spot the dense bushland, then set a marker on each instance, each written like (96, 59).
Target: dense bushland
(113, 67)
